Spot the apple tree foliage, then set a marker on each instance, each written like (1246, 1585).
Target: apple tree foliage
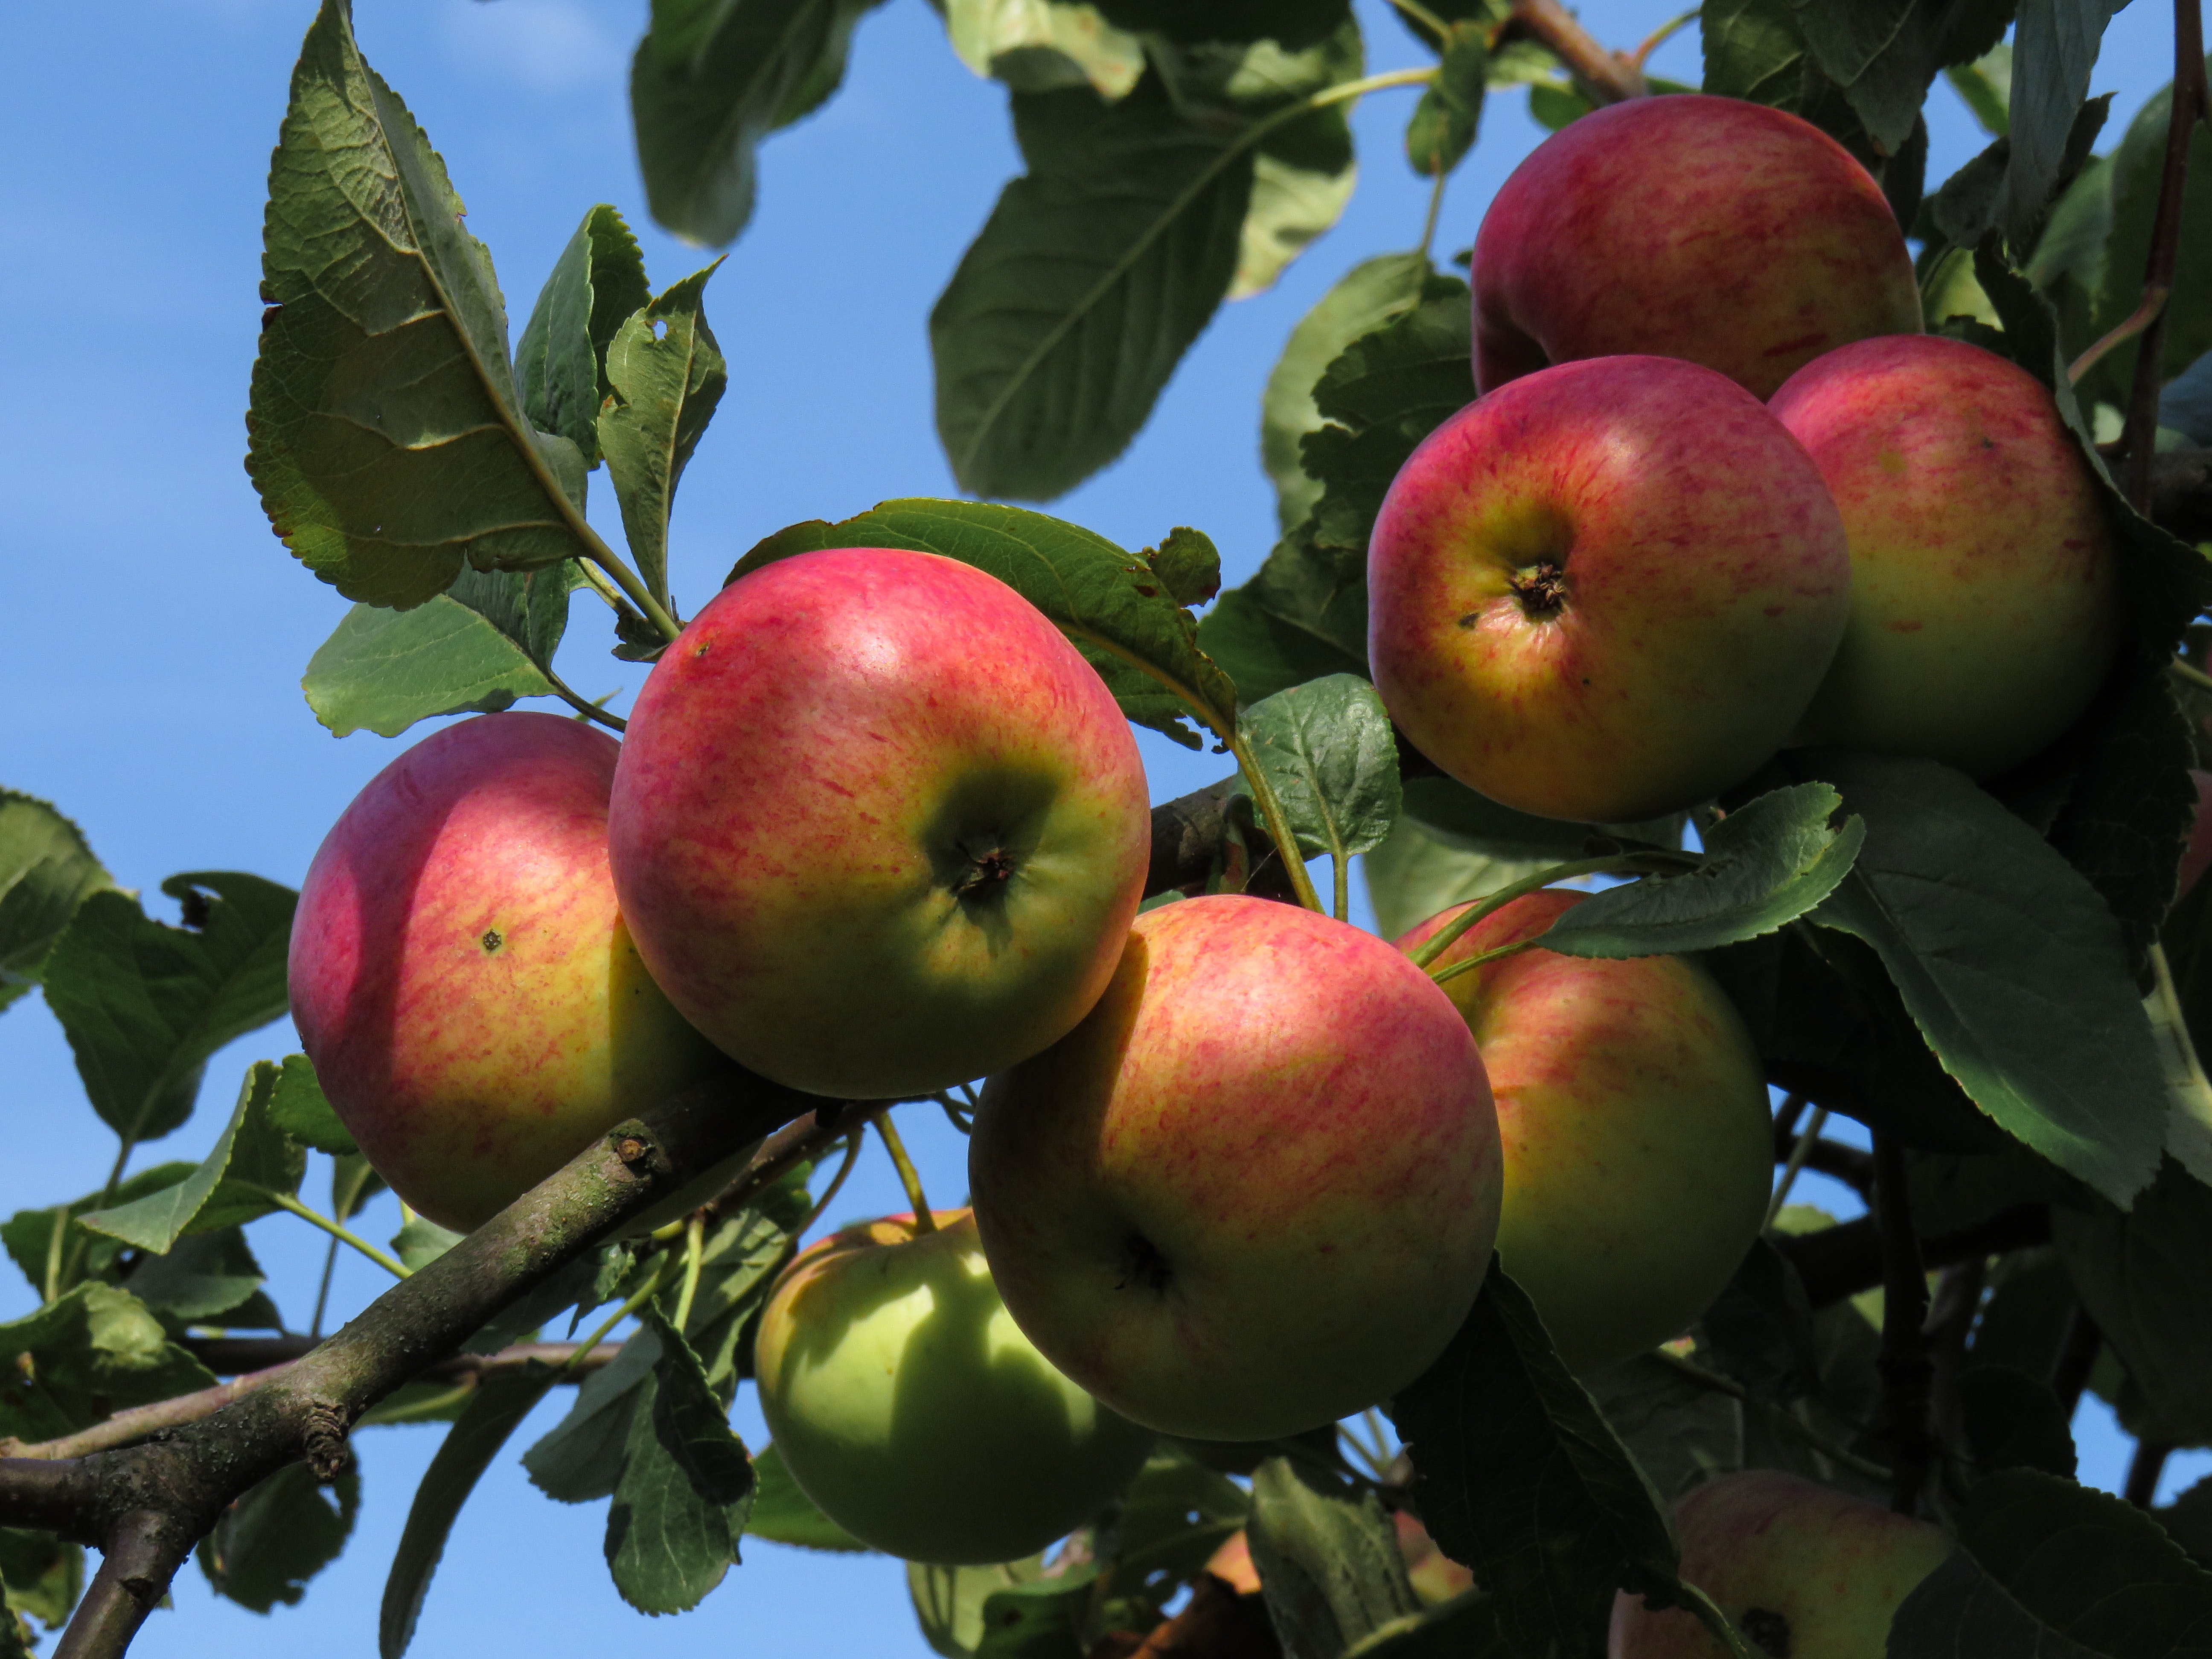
(1994, 978)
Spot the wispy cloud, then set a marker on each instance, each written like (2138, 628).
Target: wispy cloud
(548, 45)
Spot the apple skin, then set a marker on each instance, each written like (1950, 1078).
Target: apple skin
(1798, 1569)
(1607, 591)
(908, 1406)
(1257, 1188)
(1984, 605)
(1736, 236)
(459, 974)
(1632, 1110)
(878, 828)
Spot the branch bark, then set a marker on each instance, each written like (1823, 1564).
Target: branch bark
(1609, 76)
(2164, 248)
(1902, 1360)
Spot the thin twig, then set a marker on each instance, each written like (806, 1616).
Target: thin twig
(1903, 1359)
(2144, 1469)
(1784, 1419)
(1603, 71)
(2152, 305)
(1659, 36)
(2141, 433)
(1798, 1154)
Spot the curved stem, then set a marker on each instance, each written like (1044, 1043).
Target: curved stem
(638, 1299)
(1452, 970)
(285, 1201)
(2152, 307)
(694, 1254)
(584, 706)
(829, 1192)
(1611, 864)
(1707, 1612)
(909, 1177)
(1659, 36)
(1277, 821)
(632, 586)
(2190, 673)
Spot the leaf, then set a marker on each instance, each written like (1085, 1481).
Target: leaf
(711, 79)
(421, 1242)
(301, 1110)
(1327, 750)
(2146, 1276)
(948, 1602)
(253, 1159)
(1465, 1627)
(1095, 272)
(739, 1264)
(1519, 1477)
(1113, 605)
(29, 1235)
(1416, 873)
(665, 374)
(1294, 23)
(1042, 1620)
(1444, 122)
(1985, 85)
(685, 1490)
(1765, 865)
(200, 1279)
(1039, 46)
(2010, 963)
(494, 1414)
(1753, 51)
(386, 436)
(2053, 49)
(44, 1576)
(95, 1351)
(2014, 1421)
(1361, 300)
(144, 1004)
(1758, 1329)
(1958, 1609)
(1680, 1433)
(1174, 1516)
(580, 1458)
(46, 870)
(1328, 1560)
(561, 361)
(1262, 653)
(269, 1543)
(784, 1515)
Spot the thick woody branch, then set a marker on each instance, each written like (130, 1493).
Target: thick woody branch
(146, 1505)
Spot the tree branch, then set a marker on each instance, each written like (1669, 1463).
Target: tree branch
(1609, 76)
(1902, 1360)
(146, 1505)
(2165, 250)
(1842, 1260)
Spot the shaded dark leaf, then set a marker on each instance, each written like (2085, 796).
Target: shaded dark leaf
(280, 1535)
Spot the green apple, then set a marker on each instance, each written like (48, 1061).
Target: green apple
(1985, 579)
(878, 828)
(1801, 1570)
(906, 1405)
(1632, 1109)
(1255, 1190)
(1606, 590)
(460, 976)
(1735, 235)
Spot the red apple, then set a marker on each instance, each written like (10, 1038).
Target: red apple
(1607, 591)
(1798, 1569)
(1984, 576)
(1632, 1109)
(1737, 236)
(878, 828)
(1257, 1188)
(908, 1407)
(460, 977)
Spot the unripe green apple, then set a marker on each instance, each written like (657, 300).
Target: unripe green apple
(1800, 1570)
(461, 978)
(1257, 1188)
(907, 1406)
(1734, 235)
(1607, 591)
(878, 828)
(1984, 575)
(1632, 1109)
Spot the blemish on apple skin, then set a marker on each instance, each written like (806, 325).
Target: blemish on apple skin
(1774, 609)
(699, 650)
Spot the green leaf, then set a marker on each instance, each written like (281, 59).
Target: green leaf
(2084, 1565)
(1041, 45)
(948, 1602)
(1119, 612)
(1465, 1627)
(711, 79)
(2146, 1276)
(1328, 1559)
(1680, 1433)
(2054, 49)
(1095, 272)
(739, 1262)
(386, 436)
(44, 1576)
(1765, 865)
(1175, 1514)
(29, 1235)
(1361, 300)
(421, 1242)
(1417, 873)
(561, 360)
(1985, 84)
(784, 1515)
(1519, 1477)
(665, 375)
(2010, 963)
(1326, 750)
(1444, 122)
(96, 1351)
(494, 1414)
(1042, 1620)
(1294, 23)
(144, 1004)
(2012, 1421)
(1958, 1609)
(202, 1277)
(45, 871)
(685, 1490)
(1263, 654)
(299, 1107)
(286, 1529)
(253, 1159)
(1753, 51)
(580, 1458)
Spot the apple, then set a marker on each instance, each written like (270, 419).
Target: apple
(1985, 603)
(1257, 1188)
(907, 1406)
(1607, 591)
(878, 828)
(1737, 236)
(1632, 1110)
(1798, 1569)
(2196, 856)
(461, 978)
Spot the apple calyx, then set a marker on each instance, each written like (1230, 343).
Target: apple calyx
(989, 870)
(1768, 1631)
(1143, 1265)
(1541, 588)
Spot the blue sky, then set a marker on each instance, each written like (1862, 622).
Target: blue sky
(154, 632)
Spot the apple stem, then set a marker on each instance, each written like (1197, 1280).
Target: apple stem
(1612, 864)
(285, 1201)
(643, 1294)
(1903, 1359)
(1278, 822)
(695, 1254)
(909, 1177)
(851, 1157)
